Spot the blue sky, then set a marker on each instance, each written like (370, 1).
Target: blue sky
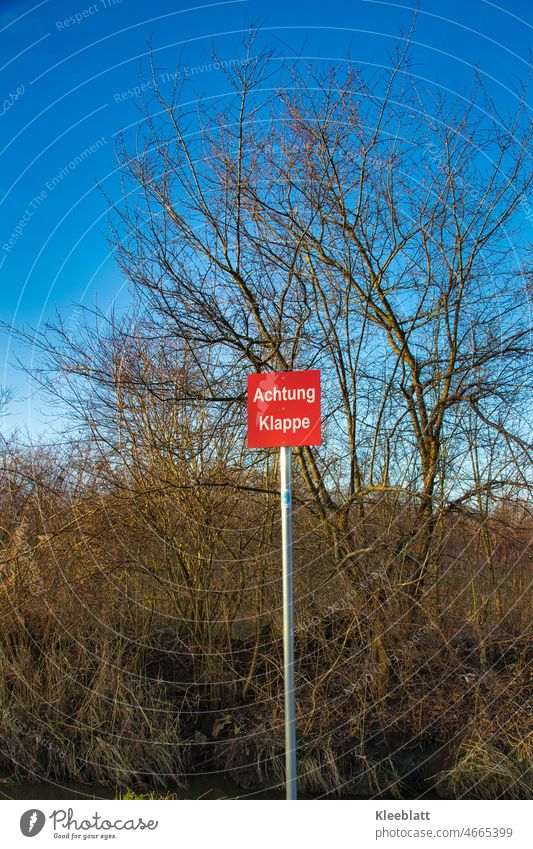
(69, 68)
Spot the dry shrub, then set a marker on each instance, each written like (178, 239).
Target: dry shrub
(132, 626)
(83, 709)
(492, 769)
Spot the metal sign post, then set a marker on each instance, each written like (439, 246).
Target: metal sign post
(284, 410)
(288, 622)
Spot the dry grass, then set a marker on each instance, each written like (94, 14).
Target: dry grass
(488, 769)
(84, 710)
(132, 652)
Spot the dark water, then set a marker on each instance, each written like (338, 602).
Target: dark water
(211, 786)
(214, 785)
(199, 787)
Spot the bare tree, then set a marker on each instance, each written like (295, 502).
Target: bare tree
(357, 224)
(351, 221)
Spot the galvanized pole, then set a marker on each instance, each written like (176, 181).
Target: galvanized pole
(288, 623)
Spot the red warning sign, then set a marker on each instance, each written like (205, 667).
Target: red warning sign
(284, 409)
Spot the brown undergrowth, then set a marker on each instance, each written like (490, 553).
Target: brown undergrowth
(135, 653)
